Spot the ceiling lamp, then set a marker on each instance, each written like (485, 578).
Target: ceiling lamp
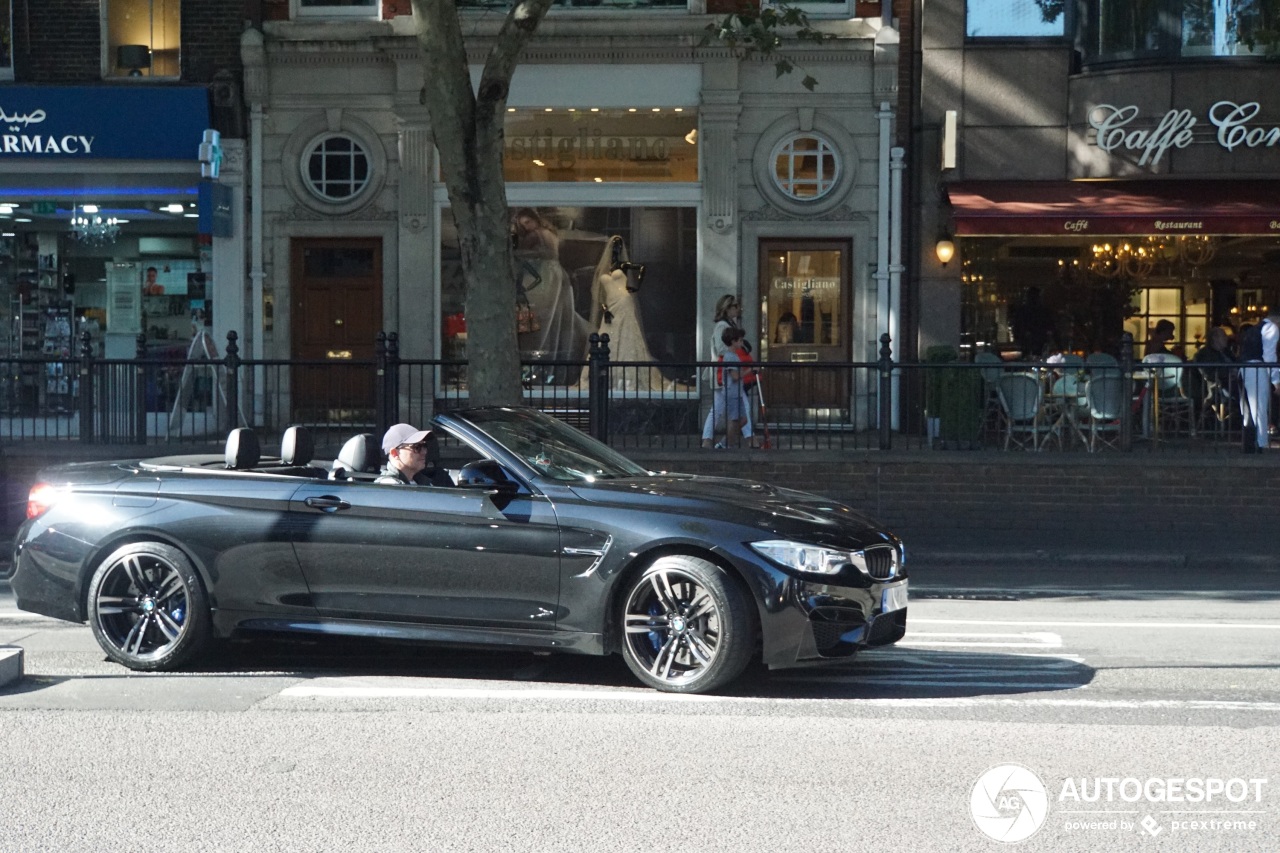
(94, 230)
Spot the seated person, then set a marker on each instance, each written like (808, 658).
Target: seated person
(1161, 335)
(1219, 379)
(413, 458)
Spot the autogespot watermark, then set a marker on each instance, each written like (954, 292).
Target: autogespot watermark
(1010, 803)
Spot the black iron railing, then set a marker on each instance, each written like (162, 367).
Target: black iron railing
(1054, 405)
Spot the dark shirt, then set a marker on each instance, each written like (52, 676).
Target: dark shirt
(392, 476)
(1251, 343)
(1224, 377)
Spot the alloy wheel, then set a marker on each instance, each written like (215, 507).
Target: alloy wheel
(674, 628)
(141, 606)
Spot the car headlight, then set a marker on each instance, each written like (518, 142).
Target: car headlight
(803, 557)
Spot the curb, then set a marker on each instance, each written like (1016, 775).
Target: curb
(10, 665)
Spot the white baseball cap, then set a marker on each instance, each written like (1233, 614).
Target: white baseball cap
(402, 434)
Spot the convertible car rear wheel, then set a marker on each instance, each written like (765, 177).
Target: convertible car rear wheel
(687, 626)
(148, 608)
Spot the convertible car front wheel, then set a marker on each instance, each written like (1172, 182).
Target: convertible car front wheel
(687, 626)
(148, 608)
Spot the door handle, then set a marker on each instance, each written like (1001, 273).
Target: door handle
(328, 503)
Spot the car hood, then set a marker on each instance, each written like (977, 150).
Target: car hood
(776, 511)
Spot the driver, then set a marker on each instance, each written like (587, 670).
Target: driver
(413, 458)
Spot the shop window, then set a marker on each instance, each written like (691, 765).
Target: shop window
(1129, 30)
(1014, 18)
(1150, 306)
(336, 168)
(369, 9)
(828, 8)
(142, 38)
(805, 167)
(592, 145)
(6, 40)
(569, 261)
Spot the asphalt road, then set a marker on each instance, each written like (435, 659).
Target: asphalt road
(1142, 706)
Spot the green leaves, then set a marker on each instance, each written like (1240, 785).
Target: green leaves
(762, 32)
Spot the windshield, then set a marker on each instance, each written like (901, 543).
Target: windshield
(553, 448)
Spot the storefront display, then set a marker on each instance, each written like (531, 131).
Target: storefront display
(98, 217)
(564, 253)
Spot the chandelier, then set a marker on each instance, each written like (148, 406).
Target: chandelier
(91, 229)
(1131, 260)
(1140, 258)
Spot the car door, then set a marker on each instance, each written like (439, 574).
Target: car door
(429, 555)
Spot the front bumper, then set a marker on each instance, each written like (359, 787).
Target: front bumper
(810, 622)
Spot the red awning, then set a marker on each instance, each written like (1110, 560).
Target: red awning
(1086, 208)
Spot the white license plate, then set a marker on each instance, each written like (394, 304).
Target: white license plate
(893, 597)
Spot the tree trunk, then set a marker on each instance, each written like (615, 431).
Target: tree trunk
(468, 130)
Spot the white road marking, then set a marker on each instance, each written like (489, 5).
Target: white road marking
(321, 690)
(332, 689)
(1025, 640)
(1190, 623)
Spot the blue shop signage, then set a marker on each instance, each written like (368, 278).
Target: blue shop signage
(102, 122)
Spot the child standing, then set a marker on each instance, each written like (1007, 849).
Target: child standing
(730, 398)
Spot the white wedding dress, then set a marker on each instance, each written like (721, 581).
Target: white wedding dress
(619, 311)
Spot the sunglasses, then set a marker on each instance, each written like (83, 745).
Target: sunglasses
(420, 448)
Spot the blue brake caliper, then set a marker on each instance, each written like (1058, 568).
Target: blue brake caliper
(655, 637)
(179, 611)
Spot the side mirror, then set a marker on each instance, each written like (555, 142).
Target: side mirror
(488, 476)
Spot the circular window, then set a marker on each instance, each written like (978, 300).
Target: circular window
(806, 167)
(336, 167)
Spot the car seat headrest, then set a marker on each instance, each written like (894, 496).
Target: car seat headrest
(356, 456)
(242, 449)
(297, 447)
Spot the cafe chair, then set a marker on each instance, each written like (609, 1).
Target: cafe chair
(1174, 411)
(1106, 397)
(1217, 402)
(1101, 364)
(1027, 423)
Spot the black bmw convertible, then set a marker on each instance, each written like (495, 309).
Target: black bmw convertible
(548, 540)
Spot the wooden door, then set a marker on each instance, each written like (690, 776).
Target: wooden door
(336, 315)
(806, 319)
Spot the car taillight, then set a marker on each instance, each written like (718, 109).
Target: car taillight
(40, 498)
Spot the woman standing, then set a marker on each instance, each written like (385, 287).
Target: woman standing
(728, 316)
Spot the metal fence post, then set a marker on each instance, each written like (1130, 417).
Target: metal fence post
(392, 378)
(86, 388)
(233, 379)
(886, 392)
(140, 390)
(380, 382)
(598, 386)
(1126, 410)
